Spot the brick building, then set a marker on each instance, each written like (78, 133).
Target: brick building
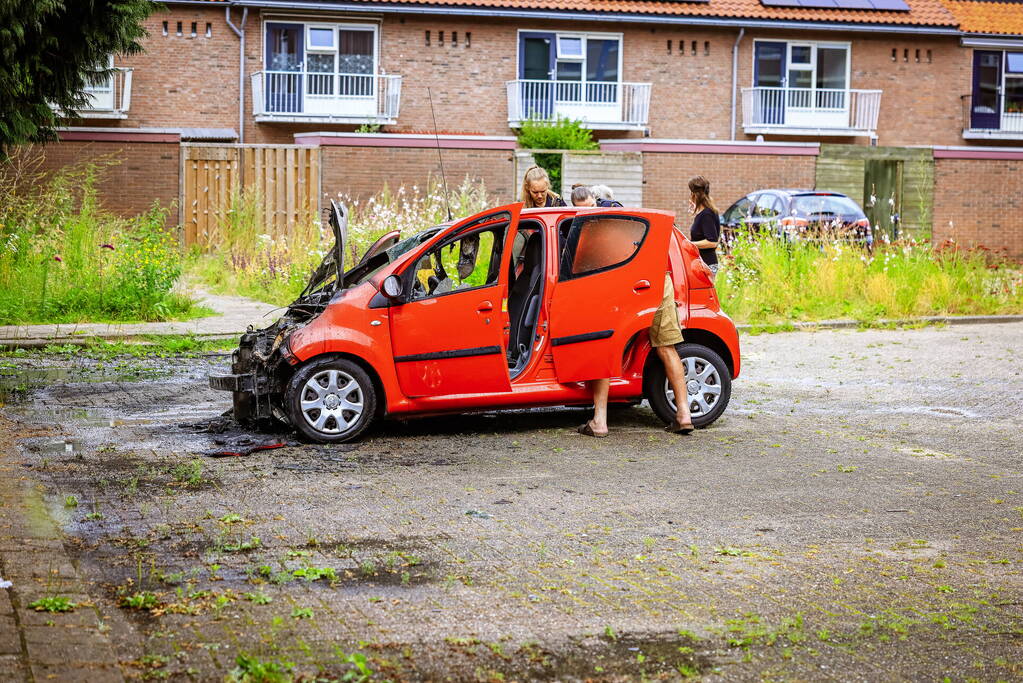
(751, 93)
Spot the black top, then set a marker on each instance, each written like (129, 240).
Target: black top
(553, 200)
(706, 226)
(608, 202)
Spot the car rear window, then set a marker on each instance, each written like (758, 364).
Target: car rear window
(598, 243)
(811, 205)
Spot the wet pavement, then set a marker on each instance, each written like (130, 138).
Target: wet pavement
(857, 514)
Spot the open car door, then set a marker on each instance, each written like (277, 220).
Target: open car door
(610, 283)
(447, 333)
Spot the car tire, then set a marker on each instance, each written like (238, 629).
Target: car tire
(330, 400)
(707, 378)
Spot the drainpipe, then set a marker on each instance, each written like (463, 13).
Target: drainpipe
(240, 32)
(735, 74)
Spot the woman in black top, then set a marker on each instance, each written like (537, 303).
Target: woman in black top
(706, 229)
(536, 190)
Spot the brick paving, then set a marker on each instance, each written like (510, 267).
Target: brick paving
(854, 516)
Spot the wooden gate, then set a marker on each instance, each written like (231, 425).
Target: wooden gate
(284, 180)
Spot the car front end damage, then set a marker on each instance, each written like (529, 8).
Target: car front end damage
(262, 364)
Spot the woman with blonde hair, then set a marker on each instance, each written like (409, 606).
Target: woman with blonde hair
(706, 229)
(536, 190)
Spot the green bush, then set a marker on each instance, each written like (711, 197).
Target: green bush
(64, 259)
(558, 133)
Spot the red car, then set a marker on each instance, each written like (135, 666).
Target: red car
(504, 309)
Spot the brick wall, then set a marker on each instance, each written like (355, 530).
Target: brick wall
(193, 82)
(666, 177)
(141, 172)
(979, 201)
(363, 171)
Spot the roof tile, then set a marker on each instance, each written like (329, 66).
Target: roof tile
(987, 17)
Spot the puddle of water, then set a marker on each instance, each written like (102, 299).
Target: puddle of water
(17, 383)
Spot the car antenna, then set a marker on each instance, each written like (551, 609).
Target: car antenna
(436, 136)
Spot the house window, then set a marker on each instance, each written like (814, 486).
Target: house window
(997, 95)
(592, 58)
(336, 59)
(807, 75)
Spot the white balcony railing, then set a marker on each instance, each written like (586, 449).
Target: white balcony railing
(109, 96)
(325, 97)
(814, 111)
(987, 122)
(598, 105)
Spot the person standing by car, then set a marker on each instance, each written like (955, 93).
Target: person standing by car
(536, 190)
(706, 229)
(605, 197)
(582, 196)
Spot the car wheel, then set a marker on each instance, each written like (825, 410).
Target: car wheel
(330, 400)
(708, 382)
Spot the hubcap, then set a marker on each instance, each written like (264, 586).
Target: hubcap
(702, 384)
(331, 401)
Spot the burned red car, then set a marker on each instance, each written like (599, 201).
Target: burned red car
(509, 308)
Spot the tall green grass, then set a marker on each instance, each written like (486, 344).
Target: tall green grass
(764, 280)
(64, 259)
(249, 260)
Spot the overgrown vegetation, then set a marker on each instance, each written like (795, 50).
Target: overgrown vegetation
(245, 259)
(558, 133)
(63, 259)
(766, 281)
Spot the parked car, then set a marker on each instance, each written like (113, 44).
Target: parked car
(504, 309)
(798, 214)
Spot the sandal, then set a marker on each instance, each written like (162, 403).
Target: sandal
(677, 427)
(587, 430)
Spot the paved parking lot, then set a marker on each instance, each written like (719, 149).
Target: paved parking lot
(856, 515)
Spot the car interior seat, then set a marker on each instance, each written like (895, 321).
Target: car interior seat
(524, 302)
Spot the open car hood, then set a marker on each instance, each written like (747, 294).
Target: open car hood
(330, 270)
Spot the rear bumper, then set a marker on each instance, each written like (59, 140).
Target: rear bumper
(231, 382)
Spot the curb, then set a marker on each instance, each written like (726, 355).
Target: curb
(884, 322)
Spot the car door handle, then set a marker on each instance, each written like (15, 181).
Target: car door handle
(640, 286)
(485, 307)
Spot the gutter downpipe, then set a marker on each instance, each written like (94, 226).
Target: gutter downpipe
(241, 67)
(735, 74)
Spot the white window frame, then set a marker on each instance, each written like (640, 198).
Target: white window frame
(338, 26)
(620, 37)
(558, 56)
(812, 66)
(1016, 75)
(309, 47)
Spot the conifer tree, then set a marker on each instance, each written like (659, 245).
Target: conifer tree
(49, 51)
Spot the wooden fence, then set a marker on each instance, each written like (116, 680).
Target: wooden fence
(285, 179)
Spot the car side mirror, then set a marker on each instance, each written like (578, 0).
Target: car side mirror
(392, 287)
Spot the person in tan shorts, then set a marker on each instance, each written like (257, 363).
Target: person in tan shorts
(665, 333)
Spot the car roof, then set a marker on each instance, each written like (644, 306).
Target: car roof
(800, 193)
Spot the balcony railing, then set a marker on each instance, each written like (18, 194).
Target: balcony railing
(991, 121)
(325, 97)
(608, 106)
(810, 111)
(109, 96)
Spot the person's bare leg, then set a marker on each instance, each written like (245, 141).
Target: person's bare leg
(600, 388)
(677, 379)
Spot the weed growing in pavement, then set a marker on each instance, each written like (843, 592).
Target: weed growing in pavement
(232, 518)
(359, 671)
(188, 473)
(144, 600)
(302, 613)
(70, 501)
(258, 598)
(53, 604)
(251, 669)
(315, 573)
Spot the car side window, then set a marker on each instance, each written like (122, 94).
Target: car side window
(466, 262)
(740, 211)
(597, 243)
(768, 206)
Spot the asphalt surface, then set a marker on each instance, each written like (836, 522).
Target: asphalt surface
(855, 515)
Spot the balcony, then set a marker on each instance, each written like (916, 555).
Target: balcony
(600, 106)
(992, 121)
(810, 111)
(109, 96)
(309, 97)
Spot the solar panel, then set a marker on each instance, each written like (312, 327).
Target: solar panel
(883, 5)
(890, 5)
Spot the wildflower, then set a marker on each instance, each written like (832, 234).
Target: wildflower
(58, 259)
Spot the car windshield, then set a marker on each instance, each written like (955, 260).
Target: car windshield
(828, 205)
